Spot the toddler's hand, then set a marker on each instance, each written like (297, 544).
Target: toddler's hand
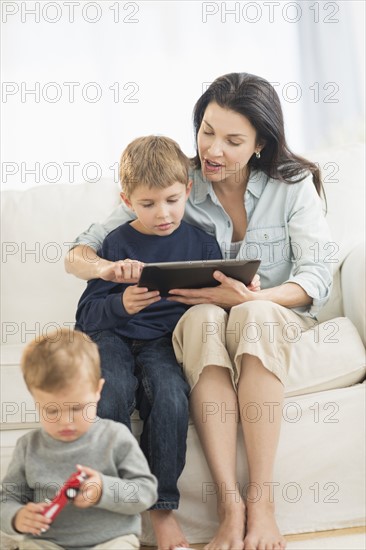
(90, 490)
(255, 285)
(29, 519)
(136, 298)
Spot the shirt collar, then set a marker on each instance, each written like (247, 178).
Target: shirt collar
(257, 182)
(202, 188)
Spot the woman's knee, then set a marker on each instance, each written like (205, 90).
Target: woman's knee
(196, 325)
(260, 311)
(252, 325)
(203, 313)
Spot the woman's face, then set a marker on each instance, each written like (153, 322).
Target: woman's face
(226, 142)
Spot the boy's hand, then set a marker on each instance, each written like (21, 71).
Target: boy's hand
(255, 285)
(136, 298)
(123, 271)
(90, 490)
(29, 519)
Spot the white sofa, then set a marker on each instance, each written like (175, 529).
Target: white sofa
(320, 467)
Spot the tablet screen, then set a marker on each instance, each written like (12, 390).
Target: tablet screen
(196, 274)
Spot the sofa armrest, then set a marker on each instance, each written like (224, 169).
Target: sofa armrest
(353, 288)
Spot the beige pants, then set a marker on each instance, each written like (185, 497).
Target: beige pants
(128, 542)
(208, 335)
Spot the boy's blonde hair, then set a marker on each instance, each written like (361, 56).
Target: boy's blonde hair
(53, 362)
(154, 161)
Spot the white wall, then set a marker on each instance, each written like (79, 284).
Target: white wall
(163, 54)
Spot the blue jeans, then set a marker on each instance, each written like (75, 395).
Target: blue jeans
(144, 374)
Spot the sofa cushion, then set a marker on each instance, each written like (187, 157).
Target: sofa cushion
(18, 408)
(318, 370)
(38, 226)
(318, 476)
(343, 173)
(316, 487)
(353, 288)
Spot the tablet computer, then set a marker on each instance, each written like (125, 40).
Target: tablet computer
(196, 274)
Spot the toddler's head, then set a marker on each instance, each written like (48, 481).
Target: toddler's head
(62, 372)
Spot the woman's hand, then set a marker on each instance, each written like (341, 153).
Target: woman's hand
(30, 520)
(228, 294)
(136, 298)
(255, 285)
(123, 271)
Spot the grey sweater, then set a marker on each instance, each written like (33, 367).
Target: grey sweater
(41, 464)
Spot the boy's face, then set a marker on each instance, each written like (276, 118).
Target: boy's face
(68, 413)
(158, 211)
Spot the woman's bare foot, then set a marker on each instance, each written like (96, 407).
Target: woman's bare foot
(261, 529)
(231, 530)
(167, 530)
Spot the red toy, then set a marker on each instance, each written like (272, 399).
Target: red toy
(68, 491)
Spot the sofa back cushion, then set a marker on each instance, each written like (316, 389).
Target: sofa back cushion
(38, 226)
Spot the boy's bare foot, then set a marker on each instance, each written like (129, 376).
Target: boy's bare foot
(230, 533)
(167, 530)
(262, 530)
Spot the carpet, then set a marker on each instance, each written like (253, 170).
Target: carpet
(340, 542)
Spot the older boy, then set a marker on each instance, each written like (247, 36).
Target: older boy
(133, 327)
(62, 372)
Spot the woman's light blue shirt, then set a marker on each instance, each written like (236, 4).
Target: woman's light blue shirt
(286, 230)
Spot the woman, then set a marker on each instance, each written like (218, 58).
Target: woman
(260, 201)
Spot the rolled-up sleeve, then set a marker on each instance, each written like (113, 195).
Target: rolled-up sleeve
(314, 253)
(97, 232)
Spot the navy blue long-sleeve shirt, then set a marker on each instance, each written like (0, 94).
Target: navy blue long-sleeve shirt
(100, 306)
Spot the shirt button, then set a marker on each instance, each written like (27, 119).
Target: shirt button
(266, 236)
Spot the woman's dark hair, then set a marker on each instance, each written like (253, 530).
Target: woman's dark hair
(256, 99)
